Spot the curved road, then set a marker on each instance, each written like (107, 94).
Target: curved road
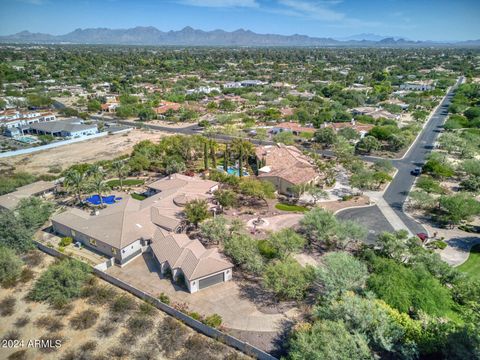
(396, 194)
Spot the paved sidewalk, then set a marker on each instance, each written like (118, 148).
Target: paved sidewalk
(387, 211)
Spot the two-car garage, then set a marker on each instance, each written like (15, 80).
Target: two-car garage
(211, 280)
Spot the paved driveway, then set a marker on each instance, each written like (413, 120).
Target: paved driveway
(370, 217)
(225, 299)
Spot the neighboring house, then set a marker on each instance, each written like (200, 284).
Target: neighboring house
(285, 167)
(243, 83)
(374, 112)
(418, 86)
(202, 90)
(110, 107)
(292, 127)
(360, 128)
(40, 188)
(14, 119)
(64, 128)
(129, 227)
(165, 106)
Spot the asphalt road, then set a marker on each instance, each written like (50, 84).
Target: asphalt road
(402, 183)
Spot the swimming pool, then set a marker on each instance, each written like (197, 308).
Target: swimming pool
(232, 171)
(95, 199)
(26, 139)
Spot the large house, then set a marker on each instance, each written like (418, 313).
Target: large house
(10, 119)
(129, 227)
(40, 188)
(293, 127)
(64, 128)
(418, 85)
(285, 167)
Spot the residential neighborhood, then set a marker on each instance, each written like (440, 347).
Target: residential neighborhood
(211, 194)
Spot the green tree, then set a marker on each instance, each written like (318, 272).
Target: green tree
(214, 230)
(13, 233)
(328, 340)
(33, 212)
(94, 105)
(287, 279)
(341, 272)
(455, 208)
(368, 144)
(286, 242)
(226, 198)
(244, 251)
(326, 136)
(98, 186)
(61, 282)
(284, 137)
(75, 182)
(121, 171)
(10, 266)
(257, 190)
(196, 211)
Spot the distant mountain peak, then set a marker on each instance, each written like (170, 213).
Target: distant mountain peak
(188, 36)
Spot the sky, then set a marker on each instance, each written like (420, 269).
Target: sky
(438, 20)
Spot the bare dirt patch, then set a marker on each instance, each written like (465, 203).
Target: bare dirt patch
(104, 148)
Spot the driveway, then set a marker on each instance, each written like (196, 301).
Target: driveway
(225, 299)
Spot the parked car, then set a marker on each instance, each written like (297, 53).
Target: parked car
(415, 172)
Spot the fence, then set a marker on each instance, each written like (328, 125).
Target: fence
(191, 322)
(50, 146)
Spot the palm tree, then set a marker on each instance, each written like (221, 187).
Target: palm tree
(75, 182)
(121, 170)
(94, 170)
(98, 186)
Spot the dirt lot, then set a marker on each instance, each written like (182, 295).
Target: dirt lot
(103, 148)
(92, 341)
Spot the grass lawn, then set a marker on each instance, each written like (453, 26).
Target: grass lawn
(126, 182)
(472, 265)
(288, 207)
(138, 196)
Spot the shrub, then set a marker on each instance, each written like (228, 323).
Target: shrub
(213, 320)
(171, 335)
(18, 355)
(53, 341)
(26, 275)
(106, 329)
(139, 325)
(119, 352)
(33, 258)
(146, 309)
(164, 298)
(65, 241)
(10, 266)
(49, 323)
(84, 320)
(61, 282)
(7, 306)
(22, 321)
(440, 244)
(122, 304)
(99, 295)
(266, 249)
(11, 335)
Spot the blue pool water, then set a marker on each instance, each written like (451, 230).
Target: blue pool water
(232, 171)
(95, 199)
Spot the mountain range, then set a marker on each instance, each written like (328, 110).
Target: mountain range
(194, 37)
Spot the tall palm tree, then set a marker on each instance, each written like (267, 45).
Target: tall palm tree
(121, 170)
(98, 186)
(94, 170)
(75, 182)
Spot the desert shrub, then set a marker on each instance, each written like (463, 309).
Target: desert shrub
(22, 321)
(99, 294)
(440, 244)
(139, 325)
(164, 298)
(63, 310)
(55, 342)
(122, 304)
(106, 329)
(49, 323)
(197, 347)
(26, 275)
(195, 315)
(18, 355)
(65, 241)
(61, 282)
(119, 352)
(11, 335)
(213, 320)
(7, 306)
(146, 354)
(171, 335)
(84, 320)
(88, 346)
(10, 267)
(33, 258)
(146, 309)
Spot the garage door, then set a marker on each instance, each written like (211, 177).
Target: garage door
(215, 279)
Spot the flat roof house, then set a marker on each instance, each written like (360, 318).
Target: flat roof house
(129, 227)
(11, 200)
(64, 128)
(285, 167)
